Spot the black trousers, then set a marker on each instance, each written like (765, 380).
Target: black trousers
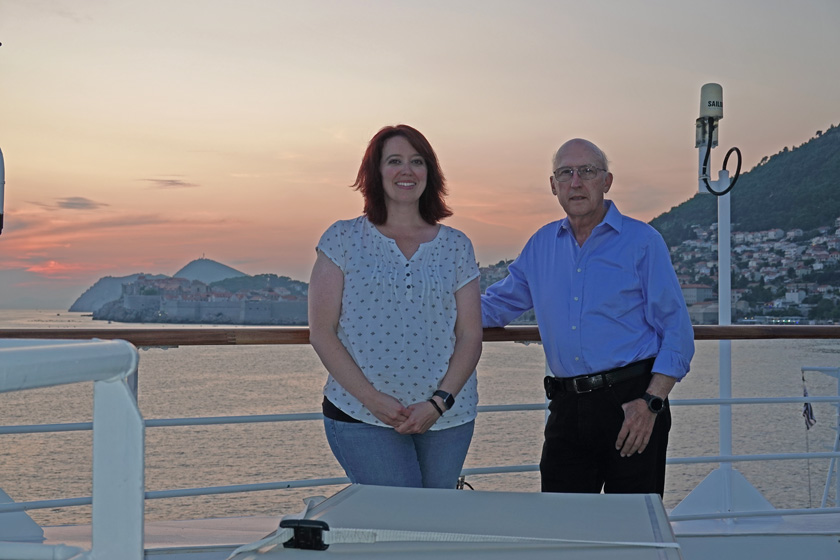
(579, 453)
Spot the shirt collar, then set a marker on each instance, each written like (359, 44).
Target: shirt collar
(613, 219)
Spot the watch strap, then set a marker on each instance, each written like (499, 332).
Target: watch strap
(434, 404)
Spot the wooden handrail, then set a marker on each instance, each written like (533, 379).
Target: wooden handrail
(223, 336)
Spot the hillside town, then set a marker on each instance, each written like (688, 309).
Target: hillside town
(777, 276)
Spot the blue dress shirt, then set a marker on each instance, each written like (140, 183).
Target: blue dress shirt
(611, 302)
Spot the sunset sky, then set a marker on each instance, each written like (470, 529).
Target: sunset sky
(140, 135)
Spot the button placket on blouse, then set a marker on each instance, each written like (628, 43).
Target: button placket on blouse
(408, 280)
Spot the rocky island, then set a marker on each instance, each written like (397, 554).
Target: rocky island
(204, 291)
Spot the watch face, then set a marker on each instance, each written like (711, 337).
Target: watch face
(655, 404)
(448, 399)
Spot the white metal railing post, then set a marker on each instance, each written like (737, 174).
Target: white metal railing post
(725, 346)
(706, 127)
(118, 450)
(118, 491)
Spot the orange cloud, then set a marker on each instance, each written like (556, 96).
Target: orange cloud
(57, 270)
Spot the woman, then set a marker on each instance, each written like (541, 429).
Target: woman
(395, 316)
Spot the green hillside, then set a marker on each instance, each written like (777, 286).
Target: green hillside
(795, 188)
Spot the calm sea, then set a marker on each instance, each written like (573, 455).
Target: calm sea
(222, 381)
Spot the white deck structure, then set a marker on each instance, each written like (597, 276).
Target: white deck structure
(411, 523)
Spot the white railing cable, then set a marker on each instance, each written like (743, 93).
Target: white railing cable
(308, 416)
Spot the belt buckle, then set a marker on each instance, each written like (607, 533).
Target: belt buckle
(577, 389)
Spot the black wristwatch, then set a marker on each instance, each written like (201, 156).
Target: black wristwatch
(655, 404)
(448, 399)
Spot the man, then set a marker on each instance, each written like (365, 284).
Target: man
(615, 330)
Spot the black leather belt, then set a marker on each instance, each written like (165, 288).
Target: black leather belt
(591, 382)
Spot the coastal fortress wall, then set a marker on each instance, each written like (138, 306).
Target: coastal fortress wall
(239, 312)
(141, 303)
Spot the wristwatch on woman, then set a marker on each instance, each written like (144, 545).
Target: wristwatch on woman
(448, 399)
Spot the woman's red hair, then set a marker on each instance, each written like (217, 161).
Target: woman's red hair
(433, 208)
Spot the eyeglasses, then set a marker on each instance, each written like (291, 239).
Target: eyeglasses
(585, 172)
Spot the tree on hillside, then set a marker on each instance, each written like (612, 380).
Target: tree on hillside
(823, 310)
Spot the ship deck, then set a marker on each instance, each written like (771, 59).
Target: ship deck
(778, 537)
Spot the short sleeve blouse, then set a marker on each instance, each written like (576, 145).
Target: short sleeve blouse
(398, 315)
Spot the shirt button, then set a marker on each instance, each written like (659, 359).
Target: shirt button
(576, 298)
(579, 270)
(577, 358)
(574, 328)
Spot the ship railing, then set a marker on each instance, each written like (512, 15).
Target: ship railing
(118, 433)
(168, 338)
(834, 463)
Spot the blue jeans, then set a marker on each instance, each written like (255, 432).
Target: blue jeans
(376, 455)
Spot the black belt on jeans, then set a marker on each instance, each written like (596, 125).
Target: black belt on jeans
(593, 381)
